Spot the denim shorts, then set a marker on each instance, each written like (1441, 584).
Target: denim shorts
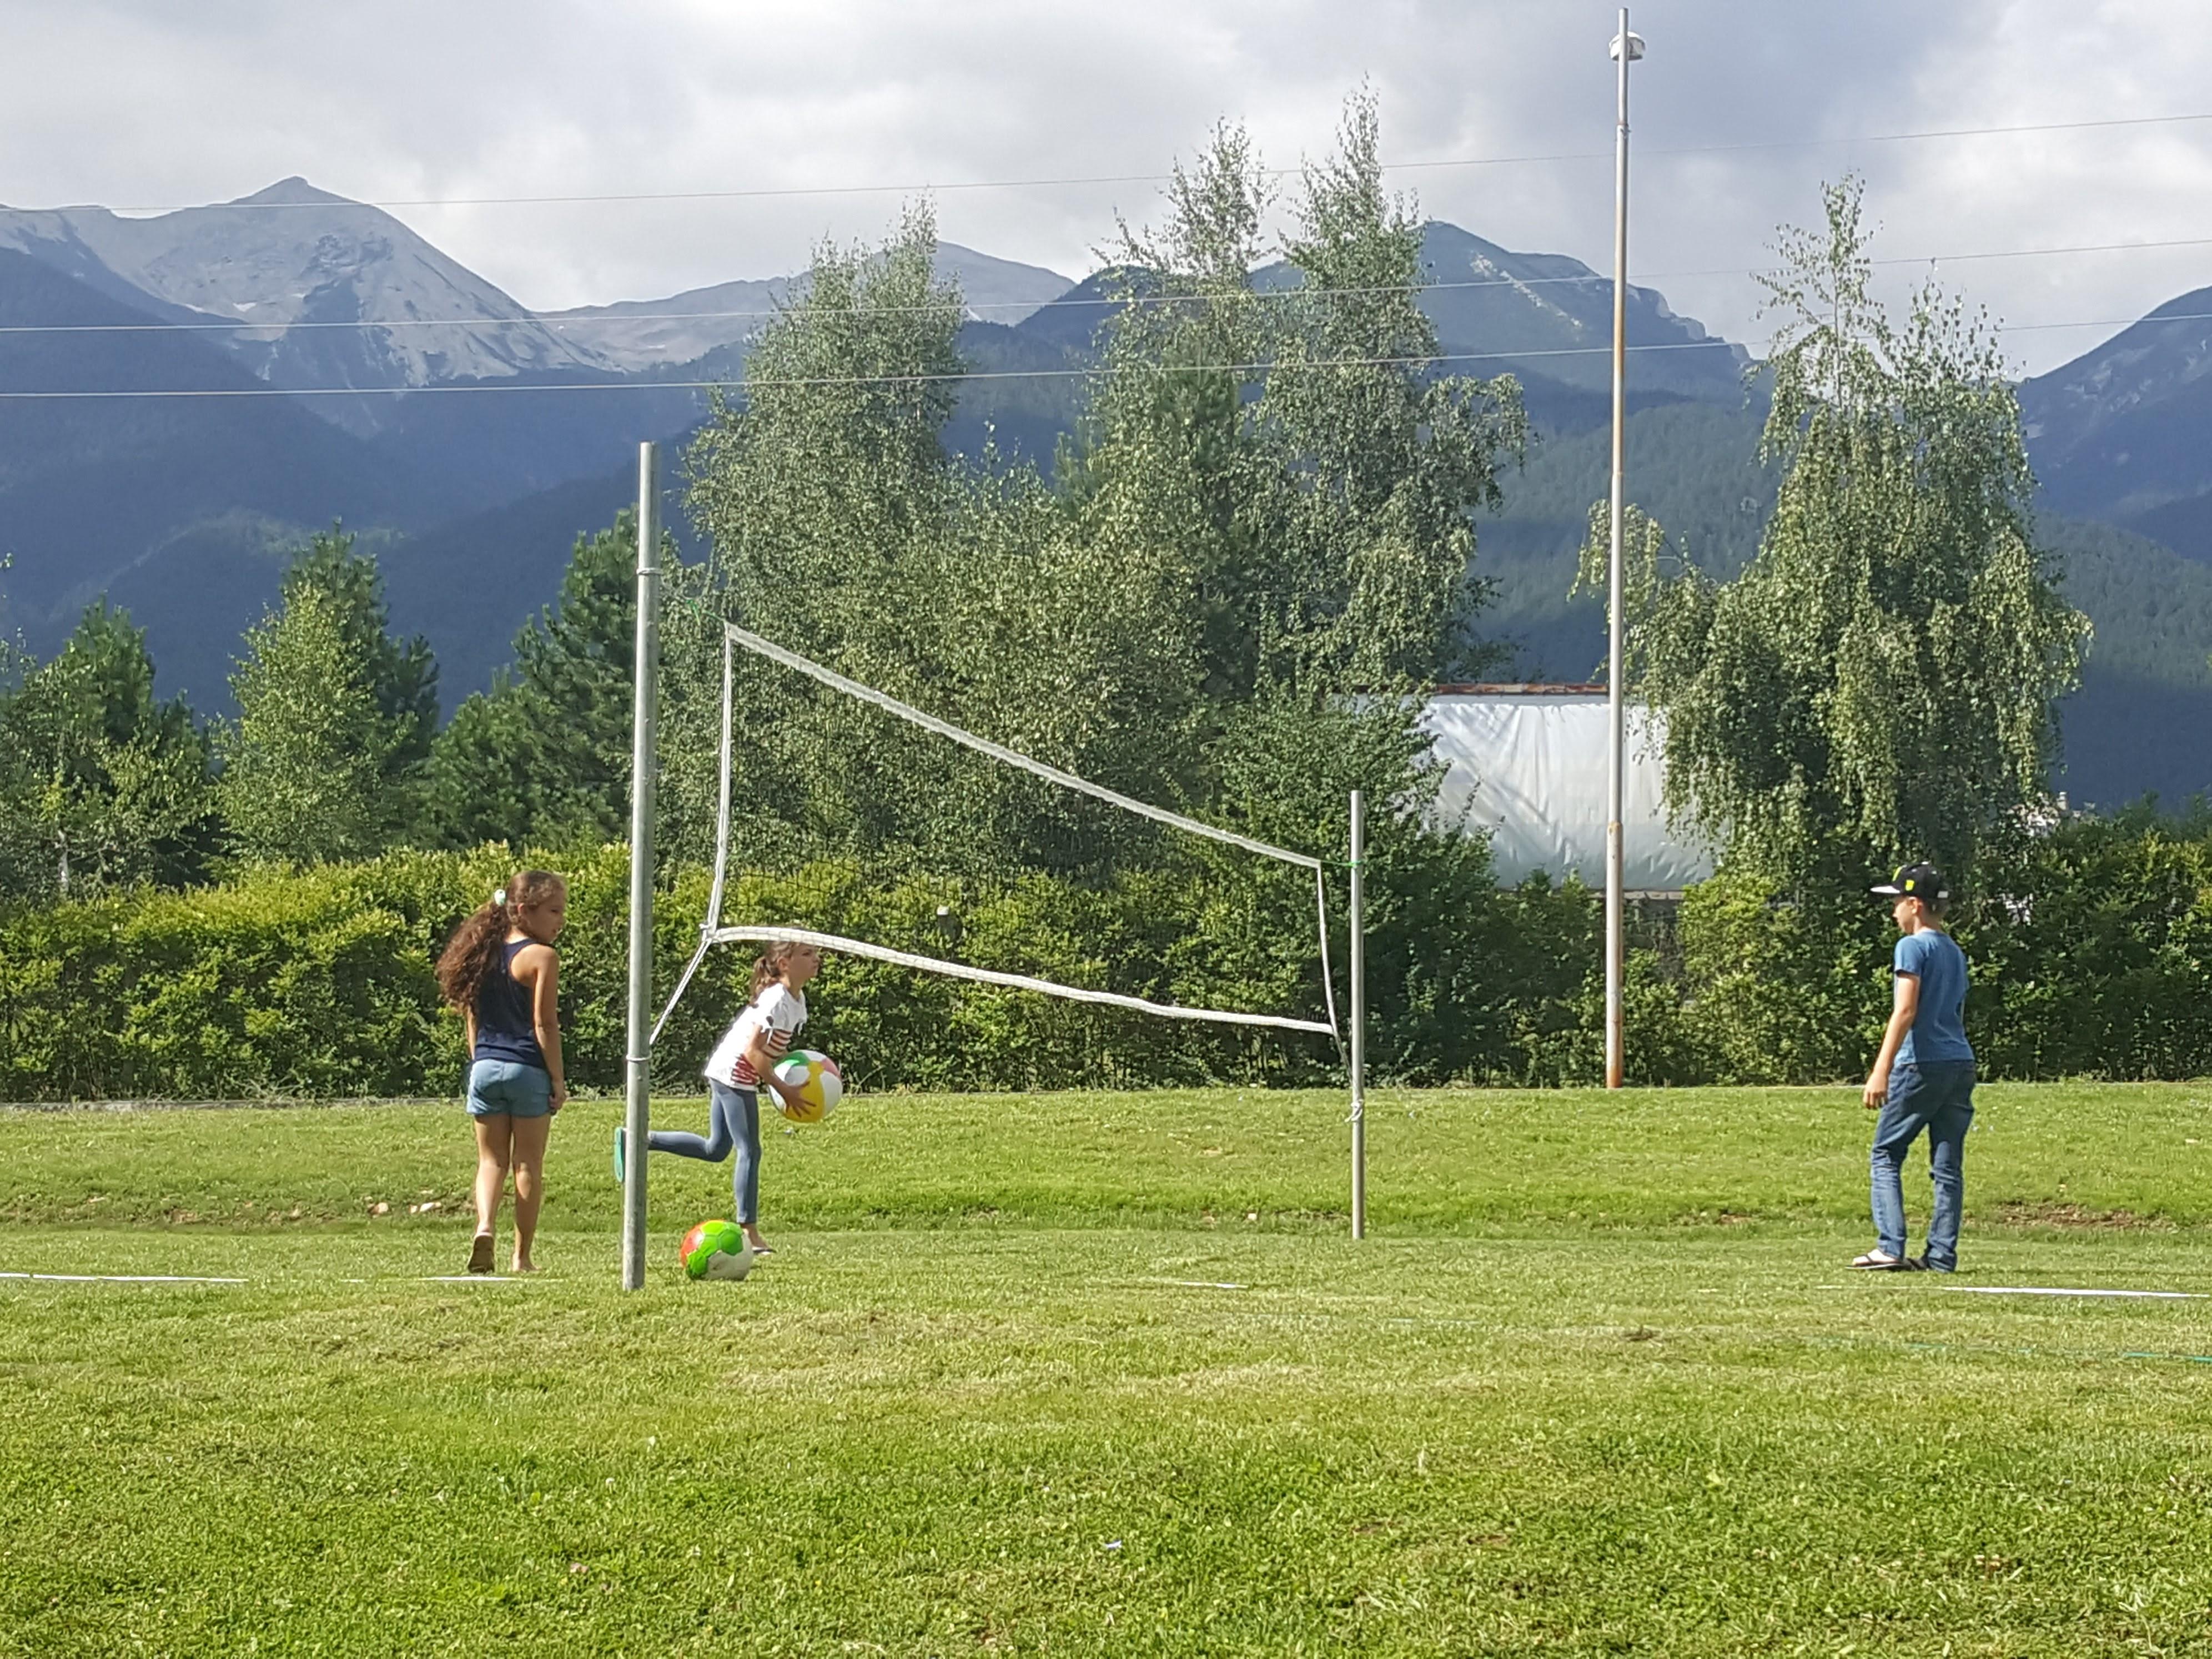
(508, 1087)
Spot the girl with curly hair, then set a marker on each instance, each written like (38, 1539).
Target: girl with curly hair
(500, 969)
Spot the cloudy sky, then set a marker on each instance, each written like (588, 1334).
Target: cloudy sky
(144, 103)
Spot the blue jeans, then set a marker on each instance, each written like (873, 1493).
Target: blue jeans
(509, 1087)
(1937, 1097)
(732, 1120)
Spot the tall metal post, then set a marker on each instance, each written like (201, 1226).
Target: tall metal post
(1626, 49)
(638, 1116)
(1357, 921)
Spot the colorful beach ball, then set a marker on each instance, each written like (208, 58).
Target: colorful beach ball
(820, 1084)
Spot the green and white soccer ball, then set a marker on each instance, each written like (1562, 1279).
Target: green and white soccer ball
(716, 1249)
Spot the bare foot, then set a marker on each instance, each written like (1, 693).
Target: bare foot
(524, 1268)
(760, 1246)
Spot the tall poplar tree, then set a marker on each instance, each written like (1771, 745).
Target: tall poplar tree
(304, 765)
(1297, 467)
(402, 675)
(335, 719)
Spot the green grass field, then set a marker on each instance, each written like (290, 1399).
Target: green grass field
(1103, 1374)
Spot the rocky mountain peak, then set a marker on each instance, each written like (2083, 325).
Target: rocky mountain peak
(331, 293)
(295, 192)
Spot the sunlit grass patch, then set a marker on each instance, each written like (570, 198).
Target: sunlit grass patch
(1103, 1374)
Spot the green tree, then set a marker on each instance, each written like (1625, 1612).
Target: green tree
(1298, 442)
(1300, 476)
(813, 491)
(1266, 507)
(840, 525)
(788, 541)
(1878, 684)
(102, 785)
(307, 766)
(402, 675)
(1379, 460)
(1252, 555)
(544, 755)
(335, 717)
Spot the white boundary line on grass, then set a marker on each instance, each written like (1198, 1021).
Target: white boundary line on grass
(2048, 1290)
(197, 1278)
(123, 1279)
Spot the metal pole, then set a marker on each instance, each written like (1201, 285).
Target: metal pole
(1358, 922)
(1626, 48)
(638, 1116)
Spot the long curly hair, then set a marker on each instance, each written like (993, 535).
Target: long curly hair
(473, 951)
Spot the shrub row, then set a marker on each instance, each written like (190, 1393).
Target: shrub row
(318, 983)
(2091, 950)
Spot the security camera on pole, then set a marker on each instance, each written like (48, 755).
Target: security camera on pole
(1626, 49)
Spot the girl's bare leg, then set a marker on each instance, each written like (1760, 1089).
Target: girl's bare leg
(495, 1148)
(529, 1149)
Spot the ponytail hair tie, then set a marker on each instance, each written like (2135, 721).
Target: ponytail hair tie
(499, 898)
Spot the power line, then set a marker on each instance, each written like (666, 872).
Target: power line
(2107, 322)
(558, 323)
(1087, 372)
(1084, 371)
(1936, 132)
(1075, 180)
(1078, 372)
(1090, 372)
(2027, 253)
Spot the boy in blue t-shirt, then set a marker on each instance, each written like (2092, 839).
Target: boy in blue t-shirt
(1924, 1077)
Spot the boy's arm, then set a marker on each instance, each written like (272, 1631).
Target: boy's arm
(1904, 1010)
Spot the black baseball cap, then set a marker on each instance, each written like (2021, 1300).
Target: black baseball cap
(1920, 881)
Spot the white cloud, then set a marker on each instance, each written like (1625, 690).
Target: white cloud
(145, 103)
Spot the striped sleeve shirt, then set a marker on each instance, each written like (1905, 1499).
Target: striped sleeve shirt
(777, 1012)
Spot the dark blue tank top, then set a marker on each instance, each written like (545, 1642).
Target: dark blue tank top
(504, 1028)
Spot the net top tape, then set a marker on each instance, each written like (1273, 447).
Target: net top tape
(828, 676)
(1012, 982)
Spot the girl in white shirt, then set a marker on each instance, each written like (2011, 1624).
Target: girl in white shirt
(742, 1062)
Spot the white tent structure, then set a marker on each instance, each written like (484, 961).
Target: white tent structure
(1527, 763)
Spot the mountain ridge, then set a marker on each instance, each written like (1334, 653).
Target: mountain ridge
(90, 486)
(684, 327)
(2124, 432)
(307, 289)
(484, 436)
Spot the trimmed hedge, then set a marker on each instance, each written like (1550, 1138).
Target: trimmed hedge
(2096, 958)
(314, 984)
(318, 982)
(2092, 951)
